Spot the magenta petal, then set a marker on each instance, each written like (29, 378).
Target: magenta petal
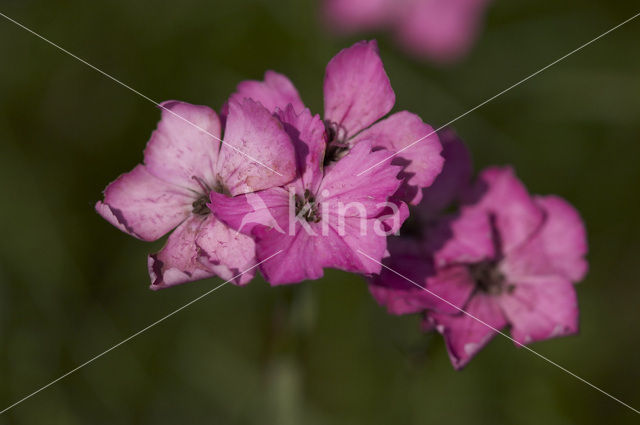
(268, 208)
(454, 179)
(450, 289)
(466, 336)
(307, 133)
(357, 91)
(462, 239)
(185, 145)
(422, 161)
(517, 217)
(144, 206)
(257, 153)
(371, 189)
(275, 92)
(226, 252)
(541, 308)
(177, 261)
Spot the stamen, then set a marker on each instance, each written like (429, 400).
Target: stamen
(307, 208)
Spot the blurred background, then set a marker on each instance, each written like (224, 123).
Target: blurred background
(320, 352)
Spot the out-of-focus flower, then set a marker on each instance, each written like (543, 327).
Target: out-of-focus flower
(441, 30)
(325, 216)
(183, 162)
(357, 94)
(506, 258)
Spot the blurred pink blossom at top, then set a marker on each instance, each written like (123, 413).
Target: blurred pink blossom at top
(440, 30)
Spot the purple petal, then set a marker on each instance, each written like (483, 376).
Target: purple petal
(357, 91)
(226, 252)
(177, 261)
(422, 161)
(144, 206)
(454, 179)
(466, 336)
(253, 141)
(541, 308)
(185, 145)
(275, 92)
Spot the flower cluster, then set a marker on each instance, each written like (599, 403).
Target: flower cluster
(441, 30)
(266, 184)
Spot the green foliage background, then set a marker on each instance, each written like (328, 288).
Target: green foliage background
(320, 352)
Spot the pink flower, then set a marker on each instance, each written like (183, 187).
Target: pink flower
(507, 259)
(357, 94)
(183, 162)
(325, 216)
(442, 30)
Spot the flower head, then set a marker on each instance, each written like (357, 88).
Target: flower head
(325, 216)
(183, 162)
(504, 259)
(357, 94)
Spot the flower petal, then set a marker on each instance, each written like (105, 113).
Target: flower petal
(144, 206)
(358, 15)
(357, 91)
(422, 161)
(226, 252)
(443, 30)
(463, 238)
(541, 308)
(177, 262)
(343, 188)
(465, 336)
(185, 145)
(517, 217)
(307, 133)
(275, 92)
(454, 179)
(257, 153)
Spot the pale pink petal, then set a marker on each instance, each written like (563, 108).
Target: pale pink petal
(541, 308)
(463, 238)
(465, 336)
(226, 252)
(143, 205)
(421, 161)
(454, 178)
(177, 262)
(517, 217)
(443, 30)
(342, 186)
(185, 145)
(307, 133)
(358, 15)
(357, 91)
(257, 153)
(275, 92)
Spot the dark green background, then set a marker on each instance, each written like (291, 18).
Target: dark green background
(320, 352)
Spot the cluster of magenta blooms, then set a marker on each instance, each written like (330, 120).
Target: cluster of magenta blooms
(471, 255)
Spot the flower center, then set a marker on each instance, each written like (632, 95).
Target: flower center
(336, 139)
(488, 278)
(200, 204)
(307, 207)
